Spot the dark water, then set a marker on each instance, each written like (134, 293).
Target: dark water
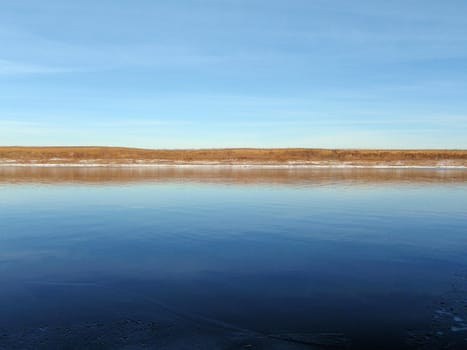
(377, 256)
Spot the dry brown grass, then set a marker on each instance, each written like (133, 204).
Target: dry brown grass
(122, 155)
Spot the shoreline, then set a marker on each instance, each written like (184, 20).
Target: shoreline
(232, 157)
(232, 165)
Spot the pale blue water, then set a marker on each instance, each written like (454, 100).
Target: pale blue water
(367, 254)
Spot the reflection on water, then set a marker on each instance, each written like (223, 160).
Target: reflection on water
(228, 257)
(238, 175)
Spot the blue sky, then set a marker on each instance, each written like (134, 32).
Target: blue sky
(232, 73)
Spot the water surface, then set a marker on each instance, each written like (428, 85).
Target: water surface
(232, 256)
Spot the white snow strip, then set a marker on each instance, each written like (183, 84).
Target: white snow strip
(235, 165)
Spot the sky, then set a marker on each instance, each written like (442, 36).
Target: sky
(234, 73)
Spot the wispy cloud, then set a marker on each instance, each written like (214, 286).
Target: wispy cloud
(19, 68)
(16, 123)
(137, 123)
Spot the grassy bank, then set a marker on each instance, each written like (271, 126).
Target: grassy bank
(122, 155)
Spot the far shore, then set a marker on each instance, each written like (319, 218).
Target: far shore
(236, 157)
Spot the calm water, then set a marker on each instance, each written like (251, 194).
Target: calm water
(378, 256)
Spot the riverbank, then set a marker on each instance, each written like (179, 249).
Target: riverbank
(245, 157)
